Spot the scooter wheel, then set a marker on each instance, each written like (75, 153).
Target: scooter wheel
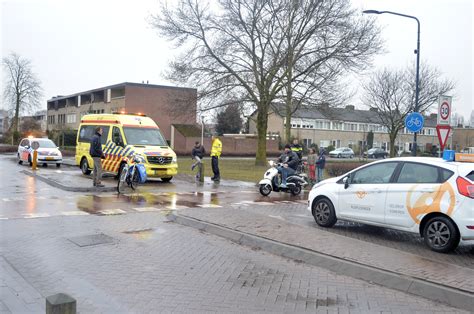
(296, 190)
(265, 189)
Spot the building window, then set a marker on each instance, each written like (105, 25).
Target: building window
(350, 126)
(307, 142)
(324, 143)
(337, 125)
(71, 118)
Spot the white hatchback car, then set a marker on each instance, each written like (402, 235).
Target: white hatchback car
(48, 152)
(429, 196)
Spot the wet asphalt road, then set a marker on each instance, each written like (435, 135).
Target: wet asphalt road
(22, 196)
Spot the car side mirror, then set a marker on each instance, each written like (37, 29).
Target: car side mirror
(346, 182)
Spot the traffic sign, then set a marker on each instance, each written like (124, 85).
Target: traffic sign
(443, 134)
(444, 109)
(414, 122)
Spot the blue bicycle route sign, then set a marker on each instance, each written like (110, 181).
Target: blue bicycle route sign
(414, 122)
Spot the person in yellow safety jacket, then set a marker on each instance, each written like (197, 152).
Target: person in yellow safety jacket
(216, 151)
(297, 148)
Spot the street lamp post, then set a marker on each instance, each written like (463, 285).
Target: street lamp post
(417, 52)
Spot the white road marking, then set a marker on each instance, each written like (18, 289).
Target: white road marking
(75, 213)
(39, 215)
(115, 211)
(176, 207)
(147, 209)
(209, 206)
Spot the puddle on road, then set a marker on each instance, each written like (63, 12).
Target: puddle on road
(94, 204)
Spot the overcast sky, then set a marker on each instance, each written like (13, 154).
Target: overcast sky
(80, 45)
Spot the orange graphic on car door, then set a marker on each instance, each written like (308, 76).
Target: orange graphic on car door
(430, 202)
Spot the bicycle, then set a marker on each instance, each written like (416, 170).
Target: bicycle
(414, 121)
(130, 175)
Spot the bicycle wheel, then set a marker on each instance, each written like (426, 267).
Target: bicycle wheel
(134, 179)
(122, 182)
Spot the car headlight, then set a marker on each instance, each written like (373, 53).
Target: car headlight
(175, 159)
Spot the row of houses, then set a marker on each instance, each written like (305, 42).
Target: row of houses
(175, 108)
(348, 127)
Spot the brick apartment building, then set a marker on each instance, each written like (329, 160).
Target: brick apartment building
(164, 104)
(345, 127)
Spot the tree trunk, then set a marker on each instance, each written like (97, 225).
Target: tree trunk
(288, 124)
(16, 120)
(262, 121)
(393, 138)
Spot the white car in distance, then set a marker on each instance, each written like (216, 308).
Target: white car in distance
(424, 195)
(48, 152)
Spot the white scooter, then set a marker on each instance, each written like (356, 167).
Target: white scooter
(271, 181)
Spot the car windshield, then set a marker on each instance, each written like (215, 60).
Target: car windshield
(45, 143)
(144, 136)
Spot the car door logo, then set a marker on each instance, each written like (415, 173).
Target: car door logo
(430, 202)
(361, 194)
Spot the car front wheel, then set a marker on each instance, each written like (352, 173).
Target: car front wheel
(441, 235)
(323, 213)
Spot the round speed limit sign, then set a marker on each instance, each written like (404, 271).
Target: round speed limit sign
(444, 110)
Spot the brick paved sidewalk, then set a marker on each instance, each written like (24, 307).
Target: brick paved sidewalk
(380, 257)
(156, 267)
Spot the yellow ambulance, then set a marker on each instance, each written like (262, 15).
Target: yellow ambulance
(123, 135)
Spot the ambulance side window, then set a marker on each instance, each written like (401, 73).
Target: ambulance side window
(87, 131)
(117, 136)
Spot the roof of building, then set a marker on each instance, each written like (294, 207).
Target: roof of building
(343, 114)
(60, 97)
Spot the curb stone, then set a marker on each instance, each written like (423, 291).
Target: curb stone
(68, 188)
(393, 280)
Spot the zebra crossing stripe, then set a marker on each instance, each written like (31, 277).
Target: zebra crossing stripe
(75, 213)
(147, 209)
(115, 211)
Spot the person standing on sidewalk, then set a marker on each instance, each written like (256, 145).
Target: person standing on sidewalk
(216, 151)
(197, 155)
(312, 165)
(97, 154)
(320, 163)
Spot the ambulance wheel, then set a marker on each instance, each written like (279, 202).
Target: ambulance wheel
(441, 235)
(29, 160)
(58, 165)
(19, 160)
(168, 179)
(85, 166)
(323, 213)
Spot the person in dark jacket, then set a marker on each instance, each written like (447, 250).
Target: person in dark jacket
(197, 154)
(97, 154)
(289, 160)
(320, 163)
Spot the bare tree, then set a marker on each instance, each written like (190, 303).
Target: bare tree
(391, 92)
(248, 50)
(22, 90)
(324, 40)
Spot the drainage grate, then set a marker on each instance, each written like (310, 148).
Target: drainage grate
(91, 240)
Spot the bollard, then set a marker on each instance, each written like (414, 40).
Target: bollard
(201, 172)
(35, 160)
(60, 303)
